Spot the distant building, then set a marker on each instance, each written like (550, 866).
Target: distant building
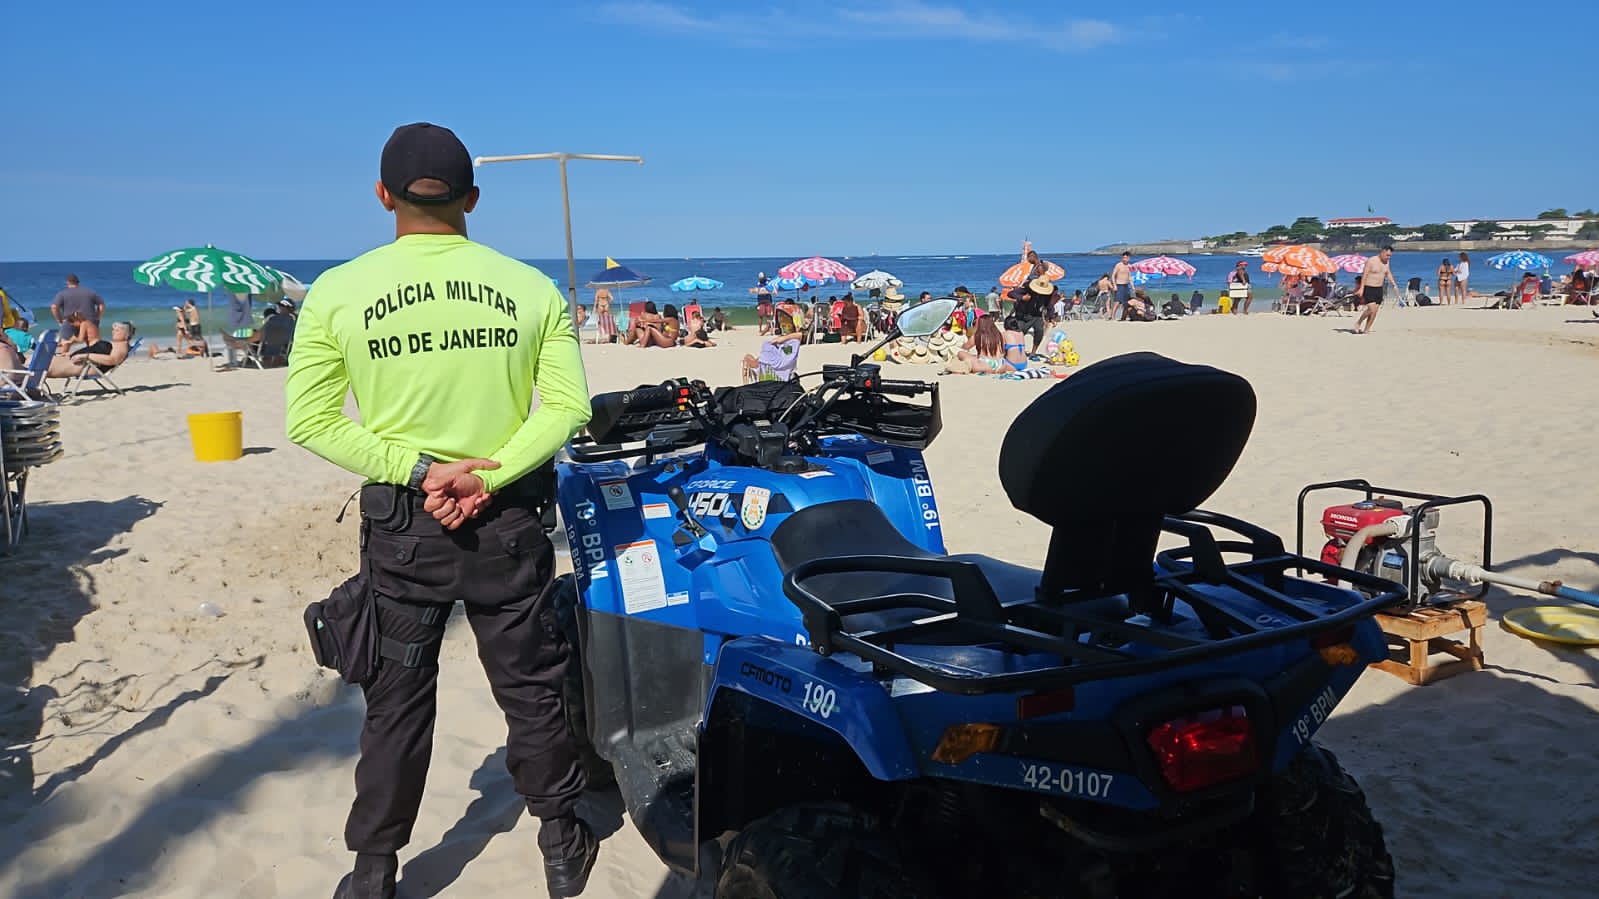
(1367, 222)
(1558, 227)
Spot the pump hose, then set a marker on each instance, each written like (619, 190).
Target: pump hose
(1454, 569)
(1397, 526)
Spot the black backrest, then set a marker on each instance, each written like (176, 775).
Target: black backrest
(1106, 454)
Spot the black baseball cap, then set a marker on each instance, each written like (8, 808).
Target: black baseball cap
(424, 150)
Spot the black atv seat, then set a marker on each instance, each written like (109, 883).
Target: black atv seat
(1168, 432)
(857, 527)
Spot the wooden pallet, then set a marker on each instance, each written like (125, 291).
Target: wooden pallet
(1416, 636)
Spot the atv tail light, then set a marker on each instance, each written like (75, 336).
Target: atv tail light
(1049, 702)
(1335, 649)
(1205, 749)
(962, 741)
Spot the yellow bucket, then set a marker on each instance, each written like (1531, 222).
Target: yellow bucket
(217, 436)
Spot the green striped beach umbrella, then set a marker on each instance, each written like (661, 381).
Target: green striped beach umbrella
(206, 269)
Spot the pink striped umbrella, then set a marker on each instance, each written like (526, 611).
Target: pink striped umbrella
(1163, 265)
(1585, 258)
(1350, 262)
(817, 268)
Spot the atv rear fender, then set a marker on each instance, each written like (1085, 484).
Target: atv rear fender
(824, 693)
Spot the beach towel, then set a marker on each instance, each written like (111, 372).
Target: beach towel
(1027, 375)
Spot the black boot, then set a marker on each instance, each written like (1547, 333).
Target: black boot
(569, 848)
(373, 878)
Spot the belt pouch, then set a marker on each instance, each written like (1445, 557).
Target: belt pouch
(344, 632)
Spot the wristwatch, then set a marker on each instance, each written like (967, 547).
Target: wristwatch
(419, 471)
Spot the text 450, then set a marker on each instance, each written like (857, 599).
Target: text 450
(1071, 781)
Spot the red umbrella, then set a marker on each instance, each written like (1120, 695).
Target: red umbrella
(817, 268)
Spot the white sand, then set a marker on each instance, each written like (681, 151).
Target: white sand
(165, 753)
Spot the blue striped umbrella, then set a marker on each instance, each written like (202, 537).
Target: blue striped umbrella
(696, 282)
(1140, 278)
(793, 283)
(1520, 259)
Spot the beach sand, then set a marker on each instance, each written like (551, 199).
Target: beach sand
(152, 750)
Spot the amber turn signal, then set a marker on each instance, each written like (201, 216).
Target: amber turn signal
(962, 741)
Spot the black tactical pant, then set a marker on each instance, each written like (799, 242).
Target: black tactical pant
(1034, 325)
(500, 567)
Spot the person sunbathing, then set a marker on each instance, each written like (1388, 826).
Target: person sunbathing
(697, 335)
(11, 360)
(752, 362)
(671, 325)
(991, 351)
(646, 328)
(107, 354)
(84, 331)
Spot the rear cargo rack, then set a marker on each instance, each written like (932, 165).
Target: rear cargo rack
(1063, 624)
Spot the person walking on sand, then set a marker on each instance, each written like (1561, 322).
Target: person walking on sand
(1462, 277)
(451, 509)
(1372, 277)
(1121, 280)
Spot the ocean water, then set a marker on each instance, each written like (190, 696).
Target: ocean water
(34, 284)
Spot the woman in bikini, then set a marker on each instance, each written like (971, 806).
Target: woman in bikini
(989, 351)
(646, 329)
(1446, 274)
(671, 324)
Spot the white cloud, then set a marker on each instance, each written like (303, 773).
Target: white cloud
(903, 20)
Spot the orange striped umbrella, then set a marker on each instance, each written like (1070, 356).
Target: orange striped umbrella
(1016, 274)
(1297, 259)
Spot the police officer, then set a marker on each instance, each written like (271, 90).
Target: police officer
(442, 341)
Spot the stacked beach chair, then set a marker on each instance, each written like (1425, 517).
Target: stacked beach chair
(30, 436)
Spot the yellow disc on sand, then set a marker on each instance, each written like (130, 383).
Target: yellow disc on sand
(1577, 625)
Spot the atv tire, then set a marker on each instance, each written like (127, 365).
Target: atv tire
(1320, 834)
(817, 852)
(597, 771)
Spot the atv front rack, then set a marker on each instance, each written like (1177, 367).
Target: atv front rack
(1090, 646)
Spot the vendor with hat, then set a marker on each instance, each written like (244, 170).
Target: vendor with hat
(1239, 290)
(1031, 300)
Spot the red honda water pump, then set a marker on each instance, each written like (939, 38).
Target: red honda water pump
(1382, 536)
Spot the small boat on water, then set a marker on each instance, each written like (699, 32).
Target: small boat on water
(1253, 251)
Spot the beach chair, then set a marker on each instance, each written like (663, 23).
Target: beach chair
(30, 436)
(1090, 307)
(277, 339)
(1293, 300)
(33, 385)
(248, 350)
(91, 371)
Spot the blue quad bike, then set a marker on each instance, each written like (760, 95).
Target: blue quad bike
(800, 694)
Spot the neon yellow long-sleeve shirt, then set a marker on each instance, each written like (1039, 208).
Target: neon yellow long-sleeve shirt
(442, 341)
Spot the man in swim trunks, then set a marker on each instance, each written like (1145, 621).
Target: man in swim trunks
(1376, 271)
(1121, 279)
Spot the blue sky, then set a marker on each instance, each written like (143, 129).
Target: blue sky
(782, 128)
